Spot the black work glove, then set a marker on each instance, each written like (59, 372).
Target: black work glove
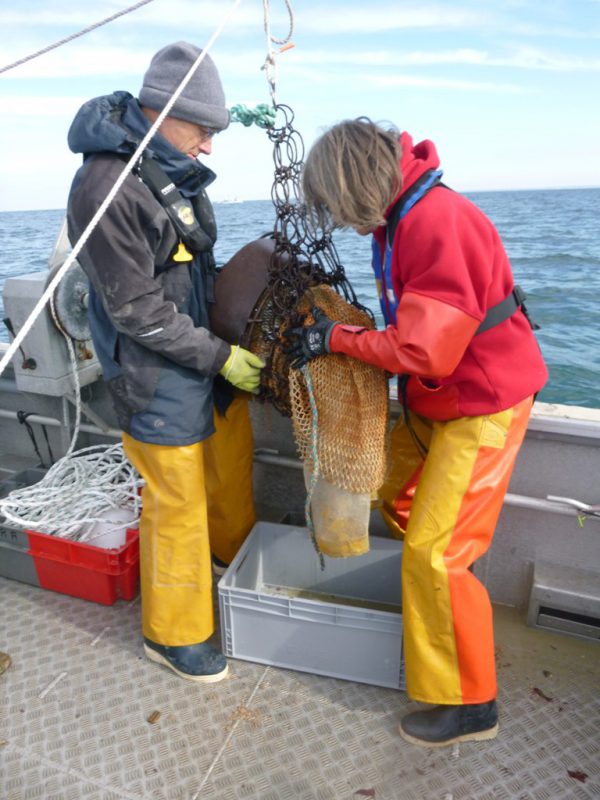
(310, 341)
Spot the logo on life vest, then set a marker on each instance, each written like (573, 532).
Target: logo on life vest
(186, 215)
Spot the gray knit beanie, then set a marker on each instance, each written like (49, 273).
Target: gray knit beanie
(202, 101)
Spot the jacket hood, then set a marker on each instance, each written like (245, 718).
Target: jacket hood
(98, 126)
(115, 123)
(415, 160)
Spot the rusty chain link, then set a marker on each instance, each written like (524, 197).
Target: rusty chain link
(303, 257)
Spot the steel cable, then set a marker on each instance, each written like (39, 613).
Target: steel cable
(74, 36)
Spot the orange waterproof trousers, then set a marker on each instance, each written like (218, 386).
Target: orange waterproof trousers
(446, 506)
(196, 499)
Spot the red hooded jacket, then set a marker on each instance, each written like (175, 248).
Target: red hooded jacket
(448, 268)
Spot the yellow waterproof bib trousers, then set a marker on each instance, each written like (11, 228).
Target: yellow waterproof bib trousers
(196, 499)
(446, 506)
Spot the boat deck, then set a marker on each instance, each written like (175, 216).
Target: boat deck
(86, 715)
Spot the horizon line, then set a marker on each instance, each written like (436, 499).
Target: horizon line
(266, 199)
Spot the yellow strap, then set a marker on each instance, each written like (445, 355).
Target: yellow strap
(183, 254)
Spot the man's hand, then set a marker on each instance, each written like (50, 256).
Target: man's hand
(310, 341)
(242, 369)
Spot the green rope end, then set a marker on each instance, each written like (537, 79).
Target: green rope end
(263, 115)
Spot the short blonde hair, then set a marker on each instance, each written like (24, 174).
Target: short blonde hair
(352, 174)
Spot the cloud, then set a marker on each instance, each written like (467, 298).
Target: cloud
(80, 60)
(531, 58)
(34, 28)
(38, 15)
(521, 58)
(41, 106)
(446, 83)
(566, 20)
(385, 17)
(309, 17)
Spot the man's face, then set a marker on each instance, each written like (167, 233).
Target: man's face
(187, 137)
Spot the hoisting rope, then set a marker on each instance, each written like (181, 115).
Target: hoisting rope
(50, 289)
(74, 36)
(270, 66)
(264, 115)
(75, 373)
(315, 472)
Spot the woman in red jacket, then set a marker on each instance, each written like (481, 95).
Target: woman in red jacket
(460, 340)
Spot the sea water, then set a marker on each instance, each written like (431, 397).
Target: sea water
(552, 238)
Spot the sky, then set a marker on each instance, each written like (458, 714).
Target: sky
(509, 90)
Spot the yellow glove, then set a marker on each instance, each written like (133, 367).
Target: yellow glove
(242, 368)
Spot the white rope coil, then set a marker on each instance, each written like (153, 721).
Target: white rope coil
(78, 492)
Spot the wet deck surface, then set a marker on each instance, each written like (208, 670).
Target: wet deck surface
(84, 715)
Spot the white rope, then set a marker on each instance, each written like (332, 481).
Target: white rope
(76, 382)
(77, 391)
(76, 493)
(15, 344)
(314, 457)
(74, 36)
(270, 65)
(289, 34)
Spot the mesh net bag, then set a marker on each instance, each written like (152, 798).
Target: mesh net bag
(352, 406)
(351, 398)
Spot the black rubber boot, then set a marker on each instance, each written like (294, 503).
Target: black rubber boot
(219, 567)
(445, 725)
(195, 662)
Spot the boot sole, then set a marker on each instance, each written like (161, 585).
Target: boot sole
(478, 736)
(156, 657)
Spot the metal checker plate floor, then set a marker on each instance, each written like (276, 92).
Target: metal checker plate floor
(76, 701)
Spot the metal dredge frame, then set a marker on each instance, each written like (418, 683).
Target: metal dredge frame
(304, 256)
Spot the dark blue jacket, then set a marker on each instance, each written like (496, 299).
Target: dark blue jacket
(148, 313)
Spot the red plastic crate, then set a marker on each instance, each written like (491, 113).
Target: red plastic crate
(87, 555)
(84, 571)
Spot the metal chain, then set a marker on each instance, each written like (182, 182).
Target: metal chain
(313, 258)
(303, 257)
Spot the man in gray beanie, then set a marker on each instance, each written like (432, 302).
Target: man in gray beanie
(202, 101)
(151, 268)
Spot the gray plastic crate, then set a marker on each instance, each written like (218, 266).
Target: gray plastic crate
(15, 560)
(279, 608)
(20, 480)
